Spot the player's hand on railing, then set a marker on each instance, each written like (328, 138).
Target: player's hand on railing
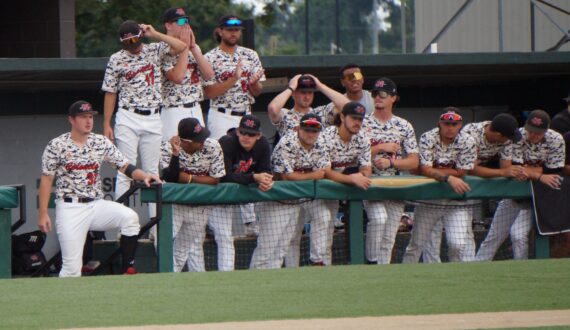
(360, 180)
(458, 185)
(149, 178)
(44, 223)
(265, 180)
(554, 181)
(512, 171)
(318, 174)
(382, 163)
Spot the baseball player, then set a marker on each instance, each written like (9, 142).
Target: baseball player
(394, 148)
(302, 89)
(541, 153)
(446, 153)
(349, 152)
(352, 80)
(75, 158)
(247, 157)
(237, 81)
(134, 74)
(493, 142)
(182, 75)
(299, 155)
(191, 157)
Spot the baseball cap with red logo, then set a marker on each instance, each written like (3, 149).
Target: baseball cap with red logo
(174, 13)
(354, 109)
(191, 129)
(307, 84)
(250, 124)
(538, 121)
(385, 84)
(130, 35)
(81, 107)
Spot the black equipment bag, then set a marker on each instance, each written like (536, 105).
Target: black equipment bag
(27, 255)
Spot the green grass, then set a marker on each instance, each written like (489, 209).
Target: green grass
(341, 291)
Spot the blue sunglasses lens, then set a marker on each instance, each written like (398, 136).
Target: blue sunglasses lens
(233, 22)
(182, 21)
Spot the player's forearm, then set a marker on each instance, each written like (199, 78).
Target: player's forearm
(486, 172)
(255, 88)
(205, 179)
(440, 174)
(406, 164)
(298, 176)
(533, 172)
(217, 89)
(176, 45)
(275, 106)
(109, 107)
(204, 65)
(44, 194)
(338, 177)
(337, 98)
(177, 73)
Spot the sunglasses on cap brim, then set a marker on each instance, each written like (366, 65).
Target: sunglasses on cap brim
(311, 124)
(382, 94)
(234, 22)
(450, 117)
(354, 76)
(181, 21)
(132, 39)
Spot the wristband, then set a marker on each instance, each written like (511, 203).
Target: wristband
(190, 179)
(291, 89)
(129, 170)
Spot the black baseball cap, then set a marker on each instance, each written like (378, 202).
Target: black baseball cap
(81, 107)
(191, 129)
(173, 14)
(385, 84)
(507, 125)
(230, 21)
(538, 121)
(306, 83)
(354, 109)
(130, 30)
(311, 122)
(250, 124)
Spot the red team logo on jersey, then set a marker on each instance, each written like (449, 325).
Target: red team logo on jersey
(244, 166)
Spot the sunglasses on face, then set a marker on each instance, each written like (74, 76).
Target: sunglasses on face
(233, 22)
(132, 39)
(354, 76)
(311, 124)
(450, 116)
(248, 134)
(181, 21)
(382, 94)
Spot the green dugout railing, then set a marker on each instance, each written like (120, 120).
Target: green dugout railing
(9, 199)
(231, 193)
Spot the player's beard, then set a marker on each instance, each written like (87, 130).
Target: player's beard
(229, 42)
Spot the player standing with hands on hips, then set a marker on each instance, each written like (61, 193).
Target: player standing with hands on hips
(134, 73)
(75, 158)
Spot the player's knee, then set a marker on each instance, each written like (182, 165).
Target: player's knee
(130, 224)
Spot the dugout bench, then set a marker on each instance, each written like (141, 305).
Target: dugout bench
(392, 189)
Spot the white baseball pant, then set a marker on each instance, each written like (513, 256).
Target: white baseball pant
(188, 232)
(514, 217)
(455, 219)
(321, 235)
(219, 123)
(382, 228)
(221, 224)
(432, 251)
(74, 220)
(172, 116)
(134, 133)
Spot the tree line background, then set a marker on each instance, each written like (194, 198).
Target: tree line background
(280, 29)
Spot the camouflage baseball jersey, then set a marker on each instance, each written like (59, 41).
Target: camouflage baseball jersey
(342, 155)
(487, 151)
(290, 119)
(207, 161)
(290, 156)
(549, 152)
(460, 154)
(136, 78)
(77, 168)
(224, 65)
(189, 90)
(395, 130)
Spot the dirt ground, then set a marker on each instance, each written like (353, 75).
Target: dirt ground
(440, 322)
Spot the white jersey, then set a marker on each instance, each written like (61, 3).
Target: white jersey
(77, 168)
(459, 154)
(395, 130)
(290, 156)
(237, 97)
(289, 118)
(487, 151)
(189, 90)
(342, 155)
(208, 161)
(136, 77)
(549, 152)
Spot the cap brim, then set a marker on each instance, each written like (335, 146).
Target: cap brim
(306, 89)
(451, 121)
(312, 129)
(535, 129)
(249, 130)
(92, 112)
